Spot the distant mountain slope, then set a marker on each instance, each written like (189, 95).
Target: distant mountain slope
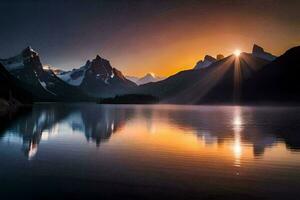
(133, 78)
(10, 88)
(214, 84)
(98, 78)
(12, 97)
(148, 78)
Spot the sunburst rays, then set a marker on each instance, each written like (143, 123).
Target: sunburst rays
(237, 79)
(241, 67)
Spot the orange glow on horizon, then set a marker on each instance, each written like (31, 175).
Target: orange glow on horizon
(170, 49)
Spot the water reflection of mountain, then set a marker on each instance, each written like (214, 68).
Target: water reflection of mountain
(31, 127)
(97, 123)
(261, 127)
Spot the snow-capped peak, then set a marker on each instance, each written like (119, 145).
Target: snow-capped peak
(99, 68)
(75, 76)
(19, 61)
(29, 49)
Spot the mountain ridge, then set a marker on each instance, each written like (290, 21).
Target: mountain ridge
(233, 79)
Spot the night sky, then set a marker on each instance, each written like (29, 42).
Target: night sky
(140, 36)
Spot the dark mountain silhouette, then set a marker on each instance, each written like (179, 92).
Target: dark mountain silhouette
(218, 83)
(14, 100)
(244, 79)
(10, 88)
(278, 81)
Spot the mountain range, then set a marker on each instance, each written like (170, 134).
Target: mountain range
(97, 78)
(252, 77)
(148, 78)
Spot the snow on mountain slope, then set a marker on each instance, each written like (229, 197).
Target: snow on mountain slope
(27, 68)
(44, 85)
(148, 78)
(17, 62)
(74, 77)
(98, 68)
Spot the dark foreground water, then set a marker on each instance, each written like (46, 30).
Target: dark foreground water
(81, 151)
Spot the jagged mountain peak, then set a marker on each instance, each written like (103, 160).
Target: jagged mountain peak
(28, 52)
(98, 78)
(88, 62)
(257, 48)
(100, 66)
(258, 51)
(40, 80)
(208, 60)
(28, 58)
(29, 49)
(99, 59)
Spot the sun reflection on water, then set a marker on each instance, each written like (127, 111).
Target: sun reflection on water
(237, 124)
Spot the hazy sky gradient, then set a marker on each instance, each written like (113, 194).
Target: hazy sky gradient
(140, 36)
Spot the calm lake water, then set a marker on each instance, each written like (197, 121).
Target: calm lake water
(151, 152)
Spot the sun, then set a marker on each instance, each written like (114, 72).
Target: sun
(237, 52)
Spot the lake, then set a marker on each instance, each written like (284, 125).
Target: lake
(151, 152)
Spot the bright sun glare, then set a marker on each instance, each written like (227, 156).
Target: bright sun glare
(237, 52)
